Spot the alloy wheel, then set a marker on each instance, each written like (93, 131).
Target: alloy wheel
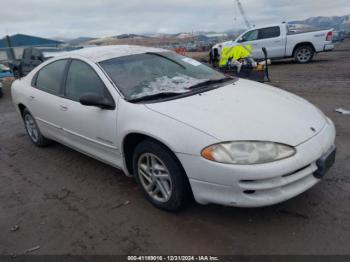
(155, 177)
(31, 127)
(304, 55)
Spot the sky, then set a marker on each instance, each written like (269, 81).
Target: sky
(98, 18)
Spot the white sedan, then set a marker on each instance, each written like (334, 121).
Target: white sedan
(179, 127)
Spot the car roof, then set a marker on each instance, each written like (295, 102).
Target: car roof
(101, 53)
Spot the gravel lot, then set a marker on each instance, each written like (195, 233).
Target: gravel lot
(68, 203)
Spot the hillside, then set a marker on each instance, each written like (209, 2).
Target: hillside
(336, 22)
(80, 40)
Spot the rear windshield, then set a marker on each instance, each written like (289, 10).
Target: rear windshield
(152, 73)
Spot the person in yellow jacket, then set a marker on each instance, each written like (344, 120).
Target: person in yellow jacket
(233, 55)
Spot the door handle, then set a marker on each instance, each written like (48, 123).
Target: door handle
(63, 108)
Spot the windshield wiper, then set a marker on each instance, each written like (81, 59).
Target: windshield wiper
(155, 96)
(211, 82)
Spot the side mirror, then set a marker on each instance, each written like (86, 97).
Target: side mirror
(91, 99)
(241, 40)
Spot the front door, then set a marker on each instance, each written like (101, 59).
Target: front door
(90, 129)
(269, 37)
(251, 38)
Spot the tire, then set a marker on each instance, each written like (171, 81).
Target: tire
(304, 54)
(168, 176)
(33, 130)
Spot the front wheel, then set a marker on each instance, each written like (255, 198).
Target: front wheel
(160, 176)
(304, 54)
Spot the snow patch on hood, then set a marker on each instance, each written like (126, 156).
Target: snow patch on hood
(180, 83)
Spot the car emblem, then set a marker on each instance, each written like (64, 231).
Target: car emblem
(313, 129)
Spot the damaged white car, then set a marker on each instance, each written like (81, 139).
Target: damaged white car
(179, 127)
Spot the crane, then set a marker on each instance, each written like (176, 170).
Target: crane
(241, 10)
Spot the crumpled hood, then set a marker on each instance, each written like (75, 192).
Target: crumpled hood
(247, 110)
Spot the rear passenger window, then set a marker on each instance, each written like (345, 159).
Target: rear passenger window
(269, 32)
(83, 79)
(49, 78)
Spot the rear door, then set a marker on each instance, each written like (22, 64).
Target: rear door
(89, 129)
(271, 39)
(46, 96)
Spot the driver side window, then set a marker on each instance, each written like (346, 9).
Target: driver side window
(250, 36)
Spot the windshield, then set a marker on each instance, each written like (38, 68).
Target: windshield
(155, 73)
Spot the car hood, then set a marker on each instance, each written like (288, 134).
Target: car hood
(247, 110)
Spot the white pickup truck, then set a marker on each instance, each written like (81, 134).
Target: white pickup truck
(282, 42)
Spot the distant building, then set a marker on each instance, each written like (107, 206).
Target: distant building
(19, 42)
(217, 35)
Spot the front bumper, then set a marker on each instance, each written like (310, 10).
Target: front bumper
(258, 185)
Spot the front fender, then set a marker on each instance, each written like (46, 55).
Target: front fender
(177, 136)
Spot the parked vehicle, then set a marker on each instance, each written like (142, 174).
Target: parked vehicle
(179, 127)
(338, 36)
(31, 58)
(280, 42)
(5, 71)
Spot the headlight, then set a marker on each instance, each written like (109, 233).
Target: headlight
(247, 152)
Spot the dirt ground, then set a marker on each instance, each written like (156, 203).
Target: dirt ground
(68, 203)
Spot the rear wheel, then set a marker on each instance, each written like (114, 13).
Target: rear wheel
(160, 176)
(304, 54)
(33, 130)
